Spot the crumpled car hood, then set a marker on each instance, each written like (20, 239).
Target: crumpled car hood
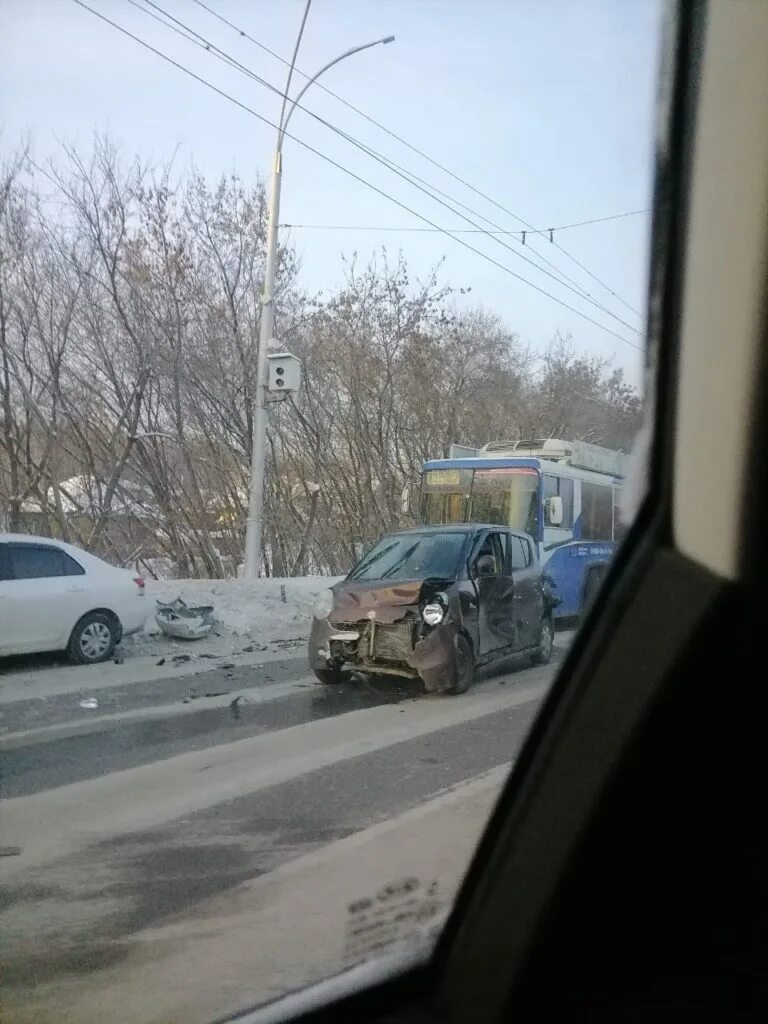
(353, 601)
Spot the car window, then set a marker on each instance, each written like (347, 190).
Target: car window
(487, 545)
(502, 542)
(6, 571)
(36, 561)
(520, 553)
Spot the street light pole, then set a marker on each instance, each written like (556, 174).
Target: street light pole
(254, 522)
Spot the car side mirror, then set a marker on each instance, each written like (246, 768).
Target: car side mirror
(553, 508)
(485, 565)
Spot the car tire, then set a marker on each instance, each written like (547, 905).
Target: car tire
(543, 653)
(94, 638)
(464, 666)
(329, 676)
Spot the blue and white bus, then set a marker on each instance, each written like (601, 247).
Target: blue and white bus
(564, 494)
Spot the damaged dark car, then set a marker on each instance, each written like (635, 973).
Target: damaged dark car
(435, 603)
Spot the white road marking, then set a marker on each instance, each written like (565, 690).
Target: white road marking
(61, 821)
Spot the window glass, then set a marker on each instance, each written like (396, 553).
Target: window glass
(596, 512)
(502, 540)
(6, 572)
(566, 493)
(411, 556)
(562, 486)
(507, 497)
(619, 526)
(520, 553)
(36, 561)
(445, 496)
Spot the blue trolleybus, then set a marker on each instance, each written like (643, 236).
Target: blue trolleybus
(564, 494)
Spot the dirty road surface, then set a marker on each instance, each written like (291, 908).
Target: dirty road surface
(125, 806)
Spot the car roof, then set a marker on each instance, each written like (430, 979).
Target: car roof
(459, 528)
(71, 549)
(30, 538)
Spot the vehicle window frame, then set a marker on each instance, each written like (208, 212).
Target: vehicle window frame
(64, 558)
(474, 553)
(502, 540)
(524, 547)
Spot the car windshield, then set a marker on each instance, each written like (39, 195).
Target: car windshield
(412, 556)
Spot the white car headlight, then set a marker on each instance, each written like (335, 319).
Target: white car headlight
(324, 605)
(433, 614)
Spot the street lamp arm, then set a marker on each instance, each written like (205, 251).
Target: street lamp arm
(255, 517)
(314, 78)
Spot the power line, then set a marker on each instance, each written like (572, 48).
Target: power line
(409, 145)
(402, 172)
(433, 188)
(461, 231)
(429, 189)
(351, 174)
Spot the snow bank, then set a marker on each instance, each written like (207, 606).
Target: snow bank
(264, 610)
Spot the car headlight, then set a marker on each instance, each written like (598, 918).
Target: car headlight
(324, 605)
(433, 614)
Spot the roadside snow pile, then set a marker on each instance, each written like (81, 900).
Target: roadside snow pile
(270, 612)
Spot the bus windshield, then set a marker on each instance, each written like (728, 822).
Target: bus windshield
(504, 497)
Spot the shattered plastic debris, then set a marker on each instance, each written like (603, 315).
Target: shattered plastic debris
(178, 619)
(90, 703)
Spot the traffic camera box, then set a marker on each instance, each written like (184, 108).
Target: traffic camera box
(284, 373)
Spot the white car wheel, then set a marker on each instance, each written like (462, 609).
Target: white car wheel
(94, 638)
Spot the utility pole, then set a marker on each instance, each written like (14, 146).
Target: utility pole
(255, 520)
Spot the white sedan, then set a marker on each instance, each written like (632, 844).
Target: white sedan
(53, 597)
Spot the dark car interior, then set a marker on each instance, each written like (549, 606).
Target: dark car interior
(623, 874)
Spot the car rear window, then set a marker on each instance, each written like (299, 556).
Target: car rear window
(37, 561)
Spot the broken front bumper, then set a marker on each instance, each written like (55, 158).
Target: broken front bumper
(396, 648)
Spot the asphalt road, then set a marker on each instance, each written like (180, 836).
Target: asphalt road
(81, 886)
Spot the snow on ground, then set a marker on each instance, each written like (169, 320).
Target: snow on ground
(263, 614)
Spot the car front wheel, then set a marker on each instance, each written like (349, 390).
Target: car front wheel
(465, 666)
(94, 638)
(543, 653)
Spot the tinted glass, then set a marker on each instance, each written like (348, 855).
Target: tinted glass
(408, 556)
(35, 561)
(596, 512)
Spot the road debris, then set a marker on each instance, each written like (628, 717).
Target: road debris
(187, 622)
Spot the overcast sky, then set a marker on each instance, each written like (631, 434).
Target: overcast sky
(546, 106)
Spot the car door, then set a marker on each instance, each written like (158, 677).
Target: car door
(529, 596)
(48, 596)
(495, 594)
